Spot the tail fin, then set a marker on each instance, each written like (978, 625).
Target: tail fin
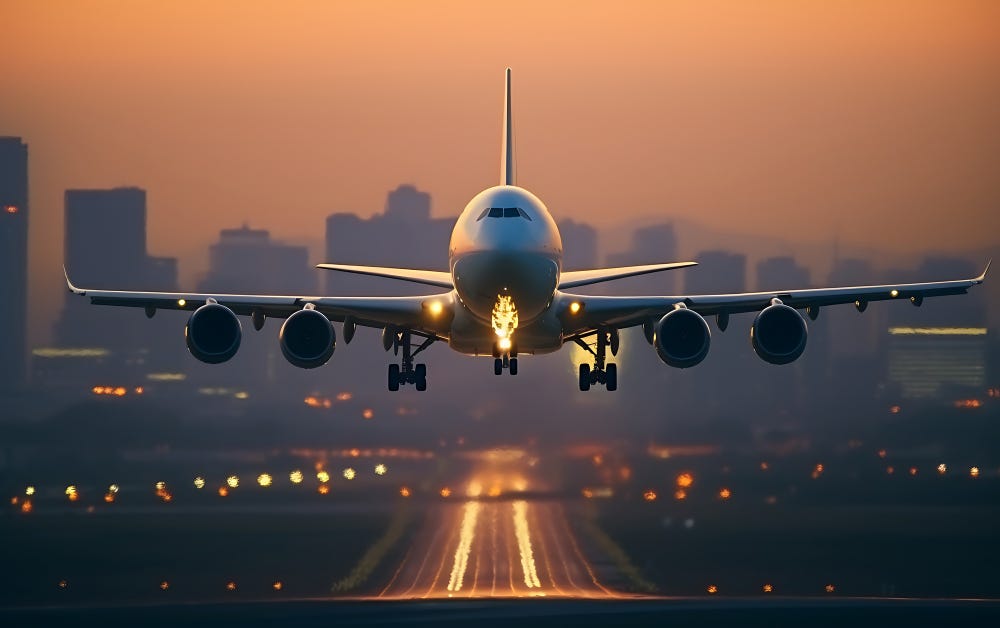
(507, 158)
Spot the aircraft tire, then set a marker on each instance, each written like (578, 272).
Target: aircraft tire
(584, 377)
(393, 377)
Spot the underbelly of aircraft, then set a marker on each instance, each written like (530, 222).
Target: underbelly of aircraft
(473, 336)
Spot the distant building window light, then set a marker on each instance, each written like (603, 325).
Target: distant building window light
(11, 209)
(937, 331)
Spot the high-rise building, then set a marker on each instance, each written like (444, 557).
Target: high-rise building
(246, 260)
(404, 235)
(579, 245)
(105, 247)
(13, 260)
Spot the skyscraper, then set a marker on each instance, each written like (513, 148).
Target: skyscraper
(13, 259)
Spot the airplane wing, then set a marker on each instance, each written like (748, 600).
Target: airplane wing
(428, 277)
(593, 312)
(419, 314)
(576, 278)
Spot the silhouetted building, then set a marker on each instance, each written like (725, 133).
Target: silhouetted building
(247, 261)
(939, 350)
(105, 247)
(13, 260)
(654, 244)
(405, 235)
(579, 245)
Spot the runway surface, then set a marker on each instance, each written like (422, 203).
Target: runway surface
(495, 549)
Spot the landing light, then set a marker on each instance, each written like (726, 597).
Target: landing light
(504, 344)
(181, 302)
(435, 308)
(894, 294)
(574, 307)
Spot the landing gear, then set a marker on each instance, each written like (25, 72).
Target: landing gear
(599, 373)
(504, 359)
(407, 372)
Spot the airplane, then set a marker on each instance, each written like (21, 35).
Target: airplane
(506, 294)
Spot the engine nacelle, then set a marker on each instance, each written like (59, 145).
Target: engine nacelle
(213, 333)
(307, 339)
(779, 334)
(682, 338)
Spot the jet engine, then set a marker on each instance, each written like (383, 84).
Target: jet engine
(682, 338)
(213, 333)
(778, 334)
(307, 339)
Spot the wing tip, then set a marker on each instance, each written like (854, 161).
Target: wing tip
(69, 284)
(981, 278)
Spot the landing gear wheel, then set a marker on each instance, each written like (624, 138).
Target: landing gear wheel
(584, 377)
(611, 377)
(393, 377)
(513, 366)
(420, 375)
(498, 366)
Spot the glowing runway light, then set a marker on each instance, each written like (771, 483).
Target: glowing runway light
(712, 589)
(323, 476)
(768, 588)
(349, 473)
(974, 472)
(29, 491)
(278, 585)
(233, 481)
(942, 468)
(649, 496)
(323, 489)
(725, 494)
(466, 535)
(223, 491)
(685, 480)
(524, 545)
(199, 482)
(404, 492)
(296, 477)
(829, 588)
(446, 492)
(161, 485)
(380, 469)
(230, 586)
(264, 479)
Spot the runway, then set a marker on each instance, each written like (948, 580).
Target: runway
(496, 549)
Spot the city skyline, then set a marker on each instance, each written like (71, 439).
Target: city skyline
(816, 127)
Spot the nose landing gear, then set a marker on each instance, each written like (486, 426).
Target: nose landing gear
(600, 373)
(504, 359)
(407, 372)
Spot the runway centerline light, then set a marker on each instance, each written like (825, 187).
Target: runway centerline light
(296, 477)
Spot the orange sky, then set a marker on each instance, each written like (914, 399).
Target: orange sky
(878, 121)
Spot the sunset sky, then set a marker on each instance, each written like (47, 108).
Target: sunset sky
(877, 122)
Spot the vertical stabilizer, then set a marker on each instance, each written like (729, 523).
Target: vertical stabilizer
(507, 159)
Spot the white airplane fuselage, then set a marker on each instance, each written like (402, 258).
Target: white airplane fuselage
(505, 244)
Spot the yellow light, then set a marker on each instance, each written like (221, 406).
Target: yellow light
(942, 468)
(574, 307)
(435, 308)
(974, 472)
(712, 589)
(296, 477)
(264, 479)
(242, 395)
(181, 302)
(11, 209)
(323, 476)
(233, 481)
(199, 483)
(725, 494)
(323, 489)
(768, 588)
(649, 496)
(71, 490)
(29, 491)
(380, 469)
(114, 488)
(161, 485)
(504, 344)
(894, 294)
(404, 492)
(937, 331)
(446, 492)
(504, 318)
(349, 473)
(277, 586)
(685, 480)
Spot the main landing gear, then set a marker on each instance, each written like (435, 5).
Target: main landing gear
(406, 372)
(504, 359)
(599, 373)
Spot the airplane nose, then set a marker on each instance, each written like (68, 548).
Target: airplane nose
(530, 280)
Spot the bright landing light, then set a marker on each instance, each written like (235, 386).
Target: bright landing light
(504, 344)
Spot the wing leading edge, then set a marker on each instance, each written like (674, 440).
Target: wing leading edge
(416, 313)
(597, 311)
(576, 278)
(427, 277)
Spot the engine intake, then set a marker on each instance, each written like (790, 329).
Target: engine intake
(307, 339)
(213, 333)
(682, 338)
(779, 334)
